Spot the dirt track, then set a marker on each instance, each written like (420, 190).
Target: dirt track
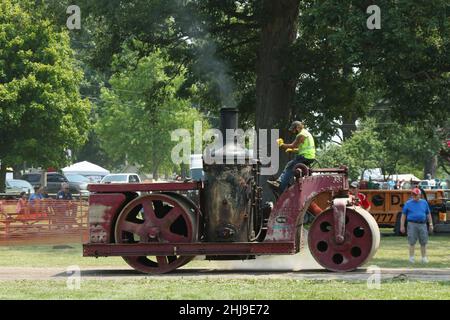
(11, 273)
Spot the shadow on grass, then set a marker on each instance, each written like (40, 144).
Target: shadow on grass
(201, 272)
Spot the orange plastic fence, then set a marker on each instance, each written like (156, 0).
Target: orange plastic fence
(43, 221)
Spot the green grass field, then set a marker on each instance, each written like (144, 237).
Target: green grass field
(393, 253)
(227, 289)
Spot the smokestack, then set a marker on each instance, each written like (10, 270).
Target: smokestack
(228, 120)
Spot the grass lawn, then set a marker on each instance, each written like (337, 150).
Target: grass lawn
(393, 253)
(222, 289)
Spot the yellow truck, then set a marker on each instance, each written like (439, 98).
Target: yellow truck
(387, 207)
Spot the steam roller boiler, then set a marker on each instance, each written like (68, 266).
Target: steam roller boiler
(159, 227)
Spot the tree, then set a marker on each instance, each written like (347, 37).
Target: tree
(314, 60)
(42, 114)
(392, 147)
(364, 150)
(140, 110)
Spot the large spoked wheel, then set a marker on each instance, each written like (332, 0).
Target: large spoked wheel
(156, 218)
(362, 239)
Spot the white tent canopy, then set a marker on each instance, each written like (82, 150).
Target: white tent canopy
(376, 175)
(86, 168)
(405, 177)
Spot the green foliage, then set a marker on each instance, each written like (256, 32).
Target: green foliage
(140, 110)
(42, 113)
(342, 71)
(389, 146)
(364, 150)
(341, 67)
(345, 69)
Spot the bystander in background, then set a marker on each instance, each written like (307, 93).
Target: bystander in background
(358, 198)
(416, 211)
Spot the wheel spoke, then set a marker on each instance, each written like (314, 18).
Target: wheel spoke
(173, 237)
(172, 215)
(132, 227)
(149, 213)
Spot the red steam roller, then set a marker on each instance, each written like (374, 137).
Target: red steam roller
(159, 227)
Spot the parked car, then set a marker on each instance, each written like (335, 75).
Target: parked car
(427, 184)
(78, 182)
(16, 186)
(54, 181)
(121, 178)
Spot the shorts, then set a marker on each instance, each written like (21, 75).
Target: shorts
(417, 231)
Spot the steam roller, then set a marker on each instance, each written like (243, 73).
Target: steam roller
(160, 227)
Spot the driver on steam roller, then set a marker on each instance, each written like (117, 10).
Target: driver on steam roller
(305, 150)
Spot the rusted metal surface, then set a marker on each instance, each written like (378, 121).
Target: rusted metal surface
(190, 249)
(339, 207)
(343, 170)
(227, 195)
(103, 209)
(145, 187)
(288, 211)
(361, 240)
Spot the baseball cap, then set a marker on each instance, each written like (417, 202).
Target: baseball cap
(354, 184)
(294, 125)
(415, 191)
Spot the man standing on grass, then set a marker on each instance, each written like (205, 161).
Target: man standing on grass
(416, 211)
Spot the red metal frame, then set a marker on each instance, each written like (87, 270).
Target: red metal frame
(143, 187)
(189, 249)
(291, 206)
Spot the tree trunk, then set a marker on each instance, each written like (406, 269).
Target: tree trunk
(430, 167)
(274, 91)
(155, 173)
(3, 167)
(348, 126)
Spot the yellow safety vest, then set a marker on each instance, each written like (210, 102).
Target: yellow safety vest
(307, 148)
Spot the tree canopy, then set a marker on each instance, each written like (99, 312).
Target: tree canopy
(276, 60)
(41, 112)
(140, 110)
